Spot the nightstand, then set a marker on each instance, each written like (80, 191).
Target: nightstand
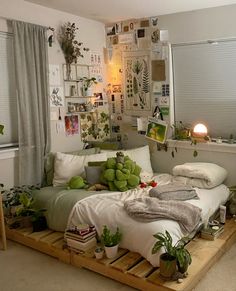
(2, 226)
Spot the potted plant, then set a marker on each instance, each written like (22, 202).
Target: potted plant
(183, 256)
(110, 241)
(167, 259)
(175, 255)
(1, 128)
(36, 216)
(87, 84)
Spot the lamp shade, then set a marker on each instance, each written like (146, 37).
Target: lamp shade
(200, 130)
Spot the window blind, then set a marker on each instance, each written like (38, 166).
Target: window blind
(204, 77)
(8, 103)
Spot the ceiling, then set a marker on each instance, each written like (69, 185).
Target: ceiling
(108, 11)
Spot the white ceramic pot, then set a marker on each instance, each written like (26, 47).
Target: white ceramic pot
(99, 252)
(111, 252)
(88, 92)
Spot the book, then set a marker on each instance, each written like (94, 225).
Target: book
(80, 239)
(83, 246)
(211, 233)
(72, 234)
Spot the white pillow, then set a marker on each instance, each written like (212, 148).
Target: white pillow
(201, 175)
(68, 166)
(140, 155)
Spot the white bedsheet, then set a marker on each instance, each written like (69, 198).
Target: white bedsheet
(107, 209)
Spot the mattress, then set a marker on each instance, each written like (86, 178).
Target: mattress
(107, 209)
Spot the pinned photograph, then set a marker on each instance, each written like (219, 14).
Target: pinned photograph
(141, 33)
(157, 130)
(118, 27)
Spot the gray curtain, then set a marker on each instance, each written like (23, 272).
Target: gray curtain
(31, 63)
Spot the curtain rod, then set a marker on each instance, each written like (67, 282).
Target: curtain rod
(11, 19)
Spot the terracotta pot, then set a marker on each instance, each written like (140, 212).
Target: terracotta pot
(167, 265)
(111, 252)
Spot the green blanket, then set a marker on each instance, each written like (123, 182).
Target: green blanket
(58, 202)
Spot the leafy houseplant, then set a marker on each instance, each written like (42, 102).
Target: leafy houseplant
(87, 84)
(37, 217)
(174, 254)
(1, 128)
(70, 46)
(111, 241)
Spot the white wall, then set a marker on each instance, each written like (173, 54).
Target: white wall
(212, 23)
(90, 32)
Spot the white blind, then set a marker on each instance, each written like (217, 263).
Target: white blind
(205, 85)
(8, 104)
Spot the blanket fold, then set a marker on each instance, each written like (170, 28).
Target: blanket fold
(173, 191)
(149, 209)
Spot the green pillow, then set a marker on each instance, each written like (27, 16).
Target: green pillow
(49, 162)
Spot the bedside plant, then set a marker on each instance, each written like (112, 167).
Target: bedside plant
(175, 255)
(110, 241)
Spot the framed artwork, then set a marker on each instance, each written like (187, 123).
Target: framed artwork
(137, 95)
(157, 130)
(71, 124)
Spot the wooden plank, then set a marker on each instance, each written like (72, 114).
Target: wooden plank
(53, 237)
(125, 278)
(24, 231)
(127, 261)
(107, 261)
(59, 244)
(142, 269)
(40, 234)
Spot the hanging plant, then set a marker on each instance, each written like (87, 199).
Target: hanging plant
(72, 49)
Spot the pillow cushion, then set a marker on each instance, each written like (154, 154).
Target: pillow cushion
(66, 166)
(93, 174)
(139, 155)
(49, 162)
(201, 175)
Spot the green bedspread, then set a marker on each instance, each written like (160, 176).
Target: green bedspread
(58, 201)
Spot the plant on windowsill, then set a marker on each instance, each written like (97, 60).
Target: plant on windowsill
(72, 49)
(111, 241)
(1, 128)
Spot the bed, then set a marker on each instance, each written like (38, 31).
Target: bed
(71, 207)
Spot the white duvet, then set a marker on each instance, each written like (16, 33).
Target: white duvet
(107, 209)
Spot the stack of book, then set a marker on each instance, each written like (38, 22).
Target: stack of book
(212, 232)
(81, 238)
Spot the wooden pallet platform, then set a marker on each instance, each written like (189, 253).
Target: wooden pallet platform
(128, 267)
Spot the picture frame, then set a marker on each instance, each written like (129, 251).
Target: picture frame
(156, 130)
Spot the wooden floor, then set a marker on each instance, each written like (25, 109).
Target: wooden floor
(128, 267)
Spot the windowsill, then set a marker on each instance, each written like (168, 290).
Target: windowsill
(207, 146)
(8, 153)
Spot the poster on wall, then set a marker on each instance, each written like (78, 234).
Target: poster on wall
(71, 124)
(137, 95)
(56, 96)
(95, 126)
(54, 75)
(156, 130)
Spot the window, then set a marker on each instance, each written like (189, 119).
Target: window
(8, 103)
(205, 85)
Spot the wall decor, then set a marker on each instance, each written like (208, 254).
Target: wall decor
(141, 33)
(71, 124)
(156, 130)
(155, 36)
(126, 38)
(56, 96)
(144, 23)
(158, 70)
(54, 75)
(95, 125)
(136, 68)
(154, 21)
